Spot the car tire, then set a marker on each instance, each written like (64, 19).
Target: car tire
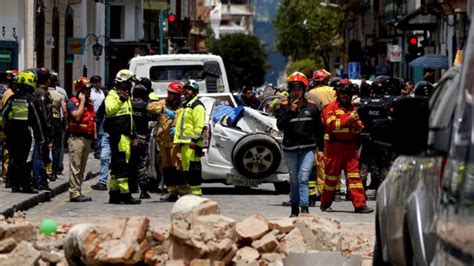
(256, 156)
(282, 187)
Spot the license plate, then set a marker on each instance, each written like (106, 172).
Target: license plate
(237, 181)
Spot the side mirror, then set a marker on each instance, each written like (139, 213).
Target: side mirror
(410, 125)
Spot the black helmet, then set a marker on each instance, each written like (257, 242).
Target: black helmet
(140, 91)
(147, 83)
(333, 82)
(365, 90)
(379, 85)
(43, 75)
(424, 89)
(394, 87)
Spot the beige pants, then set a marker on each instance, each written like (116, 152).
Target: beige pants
(79, 148)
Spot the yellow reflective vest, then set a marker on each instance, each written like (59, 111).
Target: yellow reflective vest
(118, 114)
(190, 123)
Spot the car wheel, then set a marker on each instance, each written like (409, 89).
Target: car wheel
(282, 187)
(256, 156)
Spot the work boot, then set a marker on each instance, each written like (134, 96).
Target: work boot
(99, 186)
(80, 198)
(144, 194)
(364, 209)
(16, 189)
(114, 197)
(326, 209)
(286, 203)
(169, 198)
(295, 211)
(313, 199)
(7, 183)
(53, 177)
(304, 209)
(128, 199)
(29, 190)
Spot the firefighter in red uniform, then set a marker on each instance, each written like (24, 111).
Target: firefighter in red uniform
(342, 126)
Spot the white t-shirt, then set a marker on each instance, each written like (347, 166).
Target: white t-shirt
(97, 97)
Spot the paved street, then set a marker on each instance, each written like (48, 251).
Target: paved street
(357, 227)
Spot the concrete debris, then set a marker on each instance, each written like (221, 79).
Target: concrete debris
(246, 255)
(18, 231)
(7, 245)
(252, 228)
(198, 236)
(322, 234)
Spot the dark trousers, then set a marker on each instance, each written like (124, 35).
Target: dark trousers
(21, 149)
(58, 146)
(139, 164)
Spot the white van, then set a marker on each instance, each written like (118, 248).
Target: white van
(208, 70)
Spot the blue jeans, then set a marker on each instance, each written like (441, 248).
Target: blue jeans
(100, 135)
(105, 154)
(300, 165)
(38, 165)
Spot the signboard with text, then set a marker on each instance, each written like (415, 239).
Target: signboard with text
(5, 56)
(394, 53)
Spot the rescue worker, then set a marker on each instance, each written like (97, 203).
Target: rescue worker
(140, 159)
(6, 92)
(300, 122)
(59, 111)
(23, 128)
(170, 166)
(43, 104)
(82, 131)
(190, 125)
(321, 95)
(119, 126)
(342, 126)
(151, 94)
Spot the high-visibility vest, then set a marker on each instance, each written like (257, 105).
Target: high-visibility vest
(19, 110)
(190, 123)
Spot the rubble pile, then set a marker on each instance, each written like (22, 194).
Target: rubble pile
(20, 244)
(200, 235)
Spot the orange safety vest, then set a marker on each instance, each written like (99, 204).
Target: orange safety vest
(87, 124)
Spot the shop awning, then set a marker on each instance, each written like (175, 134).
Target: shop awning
(434, 61)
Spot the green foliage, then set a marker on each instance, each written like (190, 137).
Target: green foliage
(244, 58)
(305, 29)
(210, 38)
(304, 66)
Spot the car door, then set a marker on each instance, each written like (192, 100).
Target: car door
(455, 222)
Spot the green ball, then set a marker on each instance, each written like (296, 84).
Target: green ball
(48, 227)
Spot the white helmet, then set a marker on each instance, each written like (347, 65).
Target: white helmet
(125, 75)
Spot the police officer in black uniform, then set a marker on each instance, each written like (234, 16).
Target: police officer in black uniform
(140, 159)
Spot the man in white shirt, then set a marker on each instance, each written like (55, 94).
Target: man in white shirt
(97, 97)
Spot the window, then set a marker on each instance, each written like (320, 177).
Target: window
(170, 73)
(117, 22)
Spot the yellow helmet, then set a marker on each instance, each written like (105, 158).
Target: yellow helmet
(27, 78)
(125, 75)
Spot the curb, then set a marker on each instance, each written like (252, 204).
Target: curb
(41, 197)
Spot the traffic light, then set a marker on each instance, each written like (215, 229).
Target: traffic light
(412, 44)
(171, 26)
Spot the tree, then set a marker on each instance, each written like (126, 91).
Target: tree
(244, 59)
(304, 66)
(305, 29)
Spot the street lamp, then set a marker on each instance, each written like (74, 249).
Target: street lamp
(97, 50)
(97, 47)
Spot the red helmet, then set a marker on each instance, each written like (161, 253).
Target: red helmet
(298, 77)
(346, 86)
(176, 87)
(81, 83)
(321, 74)
(11, 74)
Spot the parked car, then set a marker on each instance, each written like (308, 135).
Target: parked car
(208, 71)
(245, 151)
(425, 206)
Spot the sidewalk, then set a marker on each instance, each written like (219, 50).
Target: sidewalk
(13, 202)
